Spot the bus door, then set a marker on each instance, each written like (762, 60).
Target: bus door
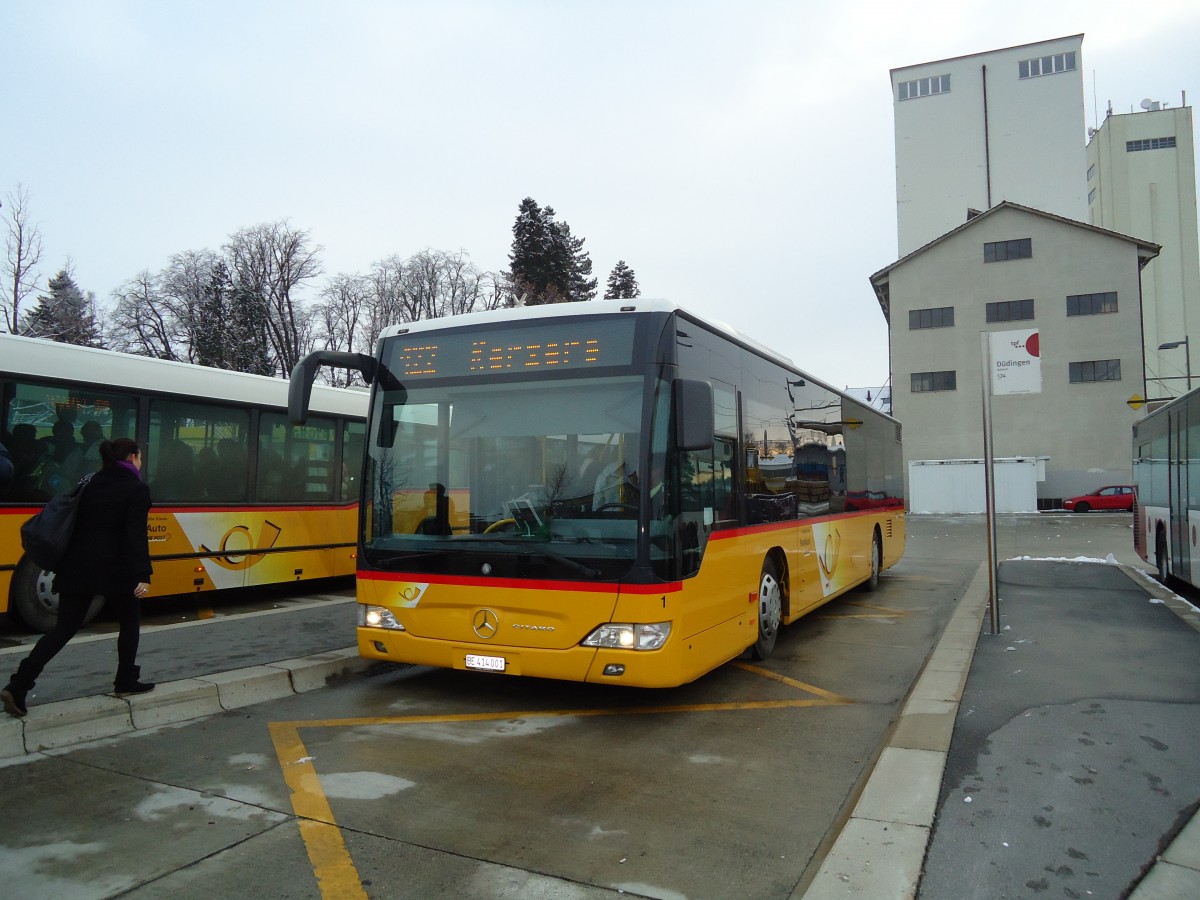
(1180, 531)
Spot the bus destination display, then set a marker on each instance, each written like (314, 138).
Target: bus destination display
(548, 347)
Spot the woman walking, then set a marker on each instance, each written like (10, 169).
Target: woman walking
(109, 554)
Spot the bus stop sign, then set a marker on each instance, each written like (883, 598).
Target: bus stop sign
(1016, 362)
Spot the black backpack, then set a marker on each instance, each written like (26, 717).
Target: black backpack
(45, 536)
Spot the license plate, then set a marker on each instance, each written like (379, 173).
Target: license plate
(491, 663)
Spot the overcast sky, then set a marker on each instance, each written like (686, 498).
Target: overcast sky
(738, 156)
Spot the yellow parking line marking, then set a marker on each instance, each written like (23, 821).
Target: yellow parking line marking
(336, 875)
(791, 682)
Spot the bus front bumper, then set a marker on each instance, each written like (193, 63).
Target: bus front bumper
(599, 666)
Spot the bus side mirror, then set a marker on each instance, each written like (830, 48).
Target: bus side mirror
(694, 422)
(305, 372)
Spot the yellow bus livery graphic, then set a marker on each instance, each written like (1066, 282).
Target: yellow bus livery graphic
(233, 559)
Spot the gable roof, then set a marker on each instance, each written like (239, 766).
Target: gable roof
(1146, 250)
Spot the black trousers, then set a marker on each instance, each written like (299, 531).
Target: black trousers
(72, 608)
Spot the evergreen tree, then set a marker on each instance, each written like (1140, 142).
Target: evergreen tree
(622, 283)
(247, 342)
(548, 264)
(65, 314)
(577, 261)
(212, 319)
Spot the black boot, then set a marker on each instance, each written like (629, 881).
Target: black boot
(127, 682)
(13, 698)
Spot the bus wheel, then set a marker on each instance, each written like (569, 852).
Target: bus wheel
(770, 609)
(33, 600)
(1160, 557)
(876, 562)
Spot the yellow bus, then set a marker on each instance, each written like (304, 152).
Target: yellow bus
(241, 496)
(611, 492)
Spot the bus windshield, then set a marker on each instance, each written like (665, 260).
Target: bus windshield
(523, 479)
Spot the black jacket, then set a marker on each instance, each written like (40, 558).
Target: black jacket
(109, 552)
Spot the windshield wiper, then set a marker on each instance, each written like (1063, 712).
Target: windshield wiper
(537, 548)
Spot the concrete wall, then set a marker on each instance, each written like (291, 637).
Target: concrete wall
(1035, 145)
(1083, 429)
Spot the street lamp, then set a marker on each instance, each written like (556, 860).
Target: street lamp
(1187, 356)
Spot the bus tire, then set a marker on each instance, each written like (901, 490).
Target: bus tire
(876, 561)
(771, 595)
(32, 598)
(1160, 557)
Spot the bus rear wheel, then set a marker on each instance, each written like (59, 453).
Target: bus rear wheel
(771, 591)
(33, 600)
(1160, 557)
(876, 562)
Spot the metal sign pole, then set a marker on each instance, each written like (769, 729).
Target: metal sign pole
(989, 481)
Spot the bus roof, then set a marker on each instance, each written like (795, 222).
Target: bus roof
(25, 356)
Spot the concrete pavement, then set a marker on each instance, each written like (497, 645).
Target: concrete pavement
(1056, 757)
(995, 730)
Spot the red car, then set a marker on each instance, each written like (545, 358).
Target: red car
(1117, 496)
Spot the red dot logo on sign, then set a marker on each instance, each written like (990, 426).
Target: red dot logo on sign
(1032, 345)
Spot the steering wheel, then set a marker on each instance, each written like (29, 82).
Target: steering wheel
(502, 525)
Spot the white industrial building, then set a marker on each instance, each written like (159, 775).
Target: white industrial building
(974, 130)
(1142, 180)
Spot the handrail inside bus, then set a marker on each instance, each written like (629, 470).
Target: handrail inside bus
(305, 372)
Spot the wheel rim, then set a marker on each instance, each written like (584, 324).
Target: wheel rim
(770, 605)
(43, 592)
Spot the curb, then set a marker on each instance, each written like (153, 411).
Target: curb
(881, 848)
(68, 722)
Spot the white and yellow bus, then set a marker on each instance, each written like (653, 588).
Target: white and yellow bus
(241, 497)
(612, 492)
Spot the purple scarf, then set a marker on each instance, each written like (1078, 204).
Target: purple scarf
(131, 467)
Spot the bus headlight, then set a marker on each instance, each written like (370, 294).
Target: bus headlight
(627, 636)
(377, 617)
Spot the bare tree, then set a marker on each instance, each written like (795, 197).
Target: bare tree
(337, 317)
(23, 253)
(141, 322)
(385, 305)
(185, 286)
(274, 260)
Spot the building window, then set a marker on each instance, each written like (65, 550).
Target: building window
(1162, 143)
(925, 87)
(1092, 304)
(925, 382)
(1095, 370)
(939, 317)
(1010, 311)
(1091, 196)
(999, 251)
(1091, 171)
(1046, 65)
